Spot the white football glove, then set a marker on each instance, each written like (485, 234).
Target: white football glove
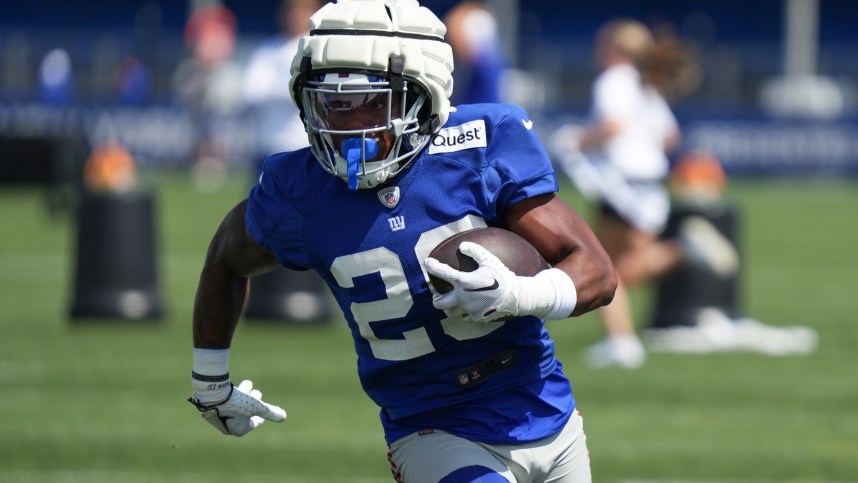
(493, 291)
(241, 412)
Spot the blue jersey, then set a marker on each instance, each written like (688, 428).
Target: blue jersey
(496, 382)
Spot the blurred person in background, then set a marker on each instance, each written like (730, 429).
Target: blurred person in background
(56, 81)
(265, 87)
(468, 382)
(208, 85)
(620, 160)
(133, 81)
(472, 31)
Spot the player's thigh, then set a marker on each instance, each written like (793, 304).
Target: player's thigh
(440, 457)
(569, 454)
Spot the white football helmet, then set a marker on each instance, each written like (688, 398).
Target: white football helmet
(372, 81)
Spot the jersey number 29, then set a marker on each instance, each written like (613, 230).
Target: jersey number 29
(415, 342)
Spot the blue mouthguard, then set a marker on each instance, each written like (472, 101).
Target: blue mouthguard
(352, 149)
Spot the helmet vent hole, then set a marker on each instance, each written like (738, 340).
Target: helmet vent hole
(389, 13)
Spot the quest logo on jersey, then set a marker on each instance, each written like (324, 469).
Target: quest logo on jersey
(466, 136)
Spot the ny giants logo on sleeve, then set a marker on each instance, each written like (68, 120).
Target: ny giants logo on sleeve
(469, 135)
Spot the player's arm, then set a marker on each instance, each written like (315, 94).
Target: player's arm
(567, 242)
(582, 278)
(232, 257)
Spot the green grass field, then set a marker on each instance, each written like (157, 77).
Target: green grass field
(105, 402)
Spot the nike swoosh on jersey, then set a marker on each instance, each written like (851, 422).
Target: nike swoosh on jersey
(484, 289)
(528, 124)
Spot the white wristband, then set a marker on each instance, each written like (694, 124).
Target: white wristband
(559, 292)
(210, 376)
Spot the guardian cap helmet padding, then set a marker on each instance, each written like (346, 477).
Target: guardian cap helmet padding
(386, 57)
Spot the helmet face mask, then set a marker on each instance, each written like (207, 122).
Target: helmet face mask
(361, 129)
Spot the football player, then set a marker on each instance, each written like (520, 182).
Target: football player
(392, 170)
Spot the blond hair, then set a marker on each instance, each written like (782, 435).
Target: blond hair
(666, 62)
(630, 38)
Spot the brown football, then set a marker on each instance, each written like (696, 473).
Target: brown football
(514, 251)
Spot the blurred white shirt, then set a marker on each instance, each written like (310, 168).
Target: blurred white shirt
(638, 149)
(265, 89)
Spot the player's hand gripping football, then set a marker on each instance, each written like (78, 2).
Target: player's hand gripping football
(241, 412)
(493, 291)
